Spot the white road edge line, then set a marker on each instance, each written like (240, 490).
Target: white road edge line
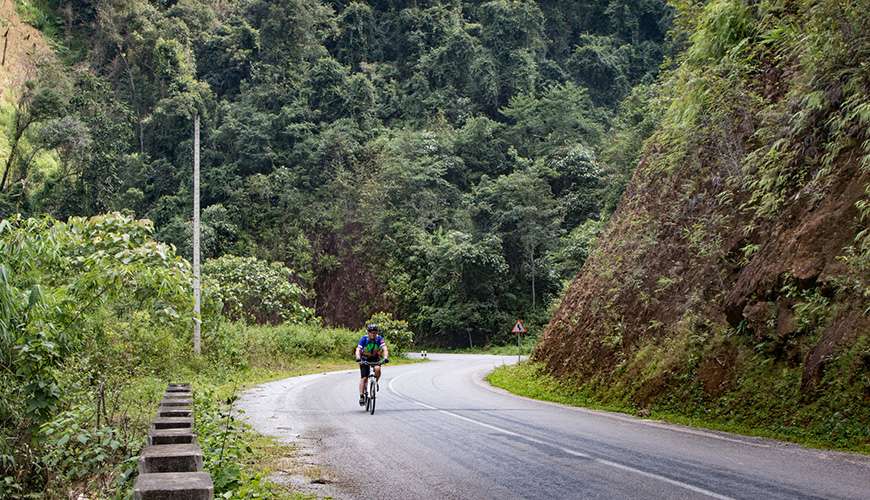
(480, 381)
(569, 451)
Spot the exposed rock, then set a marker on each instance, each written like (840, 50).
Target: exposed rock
(758, 316)
(786, 324)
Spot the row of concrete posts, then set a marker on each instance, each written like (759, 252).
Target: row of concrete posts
(170, 465)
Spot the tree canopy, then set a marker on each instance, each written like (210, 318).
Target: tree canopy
(430, 158)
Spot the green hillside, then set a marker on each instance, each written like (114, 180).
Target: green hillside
(447, 161)
(731, 285)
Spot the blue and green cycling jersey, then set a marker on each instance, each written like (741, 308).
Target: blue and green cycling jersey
(368, 347)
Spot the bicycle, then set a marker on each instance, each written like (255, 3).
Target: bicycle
(371, 387)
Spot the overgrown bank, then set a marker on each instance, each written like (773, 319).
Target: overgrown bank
(753, 409)
(731, 285)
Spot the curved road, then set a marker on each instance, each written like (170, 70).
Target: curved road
(440, 431)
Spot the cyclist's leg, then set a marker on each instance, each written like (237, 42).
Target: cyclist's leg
(378, 373)
(364, 374)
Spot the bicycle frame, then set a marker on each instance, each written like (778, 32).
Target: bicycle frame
(371, 386)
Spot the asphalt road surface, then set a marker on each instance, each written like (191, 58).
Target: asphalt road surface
(440, 431)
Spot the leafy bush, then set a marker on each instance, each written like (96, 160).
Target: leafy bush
(84, 305)
(397, 333)
(255, 291)
(74, 450)
(238, 345)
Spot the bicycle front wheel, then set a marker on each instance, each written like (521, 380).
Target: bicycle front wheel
(373, 389)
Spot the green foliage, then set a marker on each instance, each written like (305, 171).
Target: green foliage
(76, 299)
(576, 247)
(277, 347)
(354, 138)
(765, 399)
(723, 28)
(33, 128)
(224, 440)
(41, 15)
(75, 451)
(396, 332)
(601, 66)
(256, 291)
(562, 114)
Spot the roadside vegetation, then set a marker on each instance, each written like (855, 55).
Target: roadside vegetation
(526, 347)
(765, 405)
(95, 319)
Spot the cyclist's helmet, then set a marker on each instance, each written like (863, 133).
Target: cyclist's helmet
(372, 327)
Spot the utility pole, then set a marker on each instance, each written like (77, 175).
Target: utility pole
(197, 286)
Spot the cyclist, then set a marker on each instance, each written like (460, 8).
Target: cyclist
(372, 347)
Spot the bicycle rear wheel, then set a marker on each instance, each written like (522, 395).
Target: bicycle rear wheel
(373, 389)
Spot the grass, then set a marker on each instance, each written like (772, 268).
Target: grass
(531, 380)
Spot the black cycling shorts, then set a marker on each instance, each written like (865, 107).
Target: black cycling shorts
(364, 369)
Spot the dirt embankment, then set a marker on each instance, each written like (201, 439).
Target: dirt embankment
(674, 257)
(728, 283)
(22, 49)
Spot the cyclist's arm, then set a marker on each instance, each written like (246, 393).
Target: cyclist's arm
(385, 351)
(358, 353)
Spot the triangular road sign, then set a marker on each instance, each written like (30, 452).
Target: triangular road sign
(519, 328)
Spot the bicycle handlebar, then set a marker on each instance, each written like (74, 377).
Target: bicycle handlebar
(369, 363)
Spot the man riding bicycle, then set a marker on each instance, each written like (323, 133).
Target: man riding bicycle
(372, 347)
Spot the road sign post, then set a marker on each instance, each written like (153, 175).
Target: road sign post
(519, 329)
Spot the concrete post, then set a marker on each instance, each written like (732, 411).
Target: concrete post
(174, 486)
(170, 458)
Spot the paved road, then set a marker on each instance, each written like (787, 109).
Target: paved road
(440, 431)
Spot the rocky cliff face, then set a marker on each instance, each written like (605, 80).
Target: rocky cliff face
(733, 279)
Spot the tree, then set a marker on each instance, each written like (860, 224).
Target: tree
(562, 114)
(361, 97)
(256, 291)
(328, 84)
(460, 287)
(227, 55)
(41, 100)
(290, 31)
(513, 33)
(521, 209)
(576, 179)
(600, 65)
(356, 36)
